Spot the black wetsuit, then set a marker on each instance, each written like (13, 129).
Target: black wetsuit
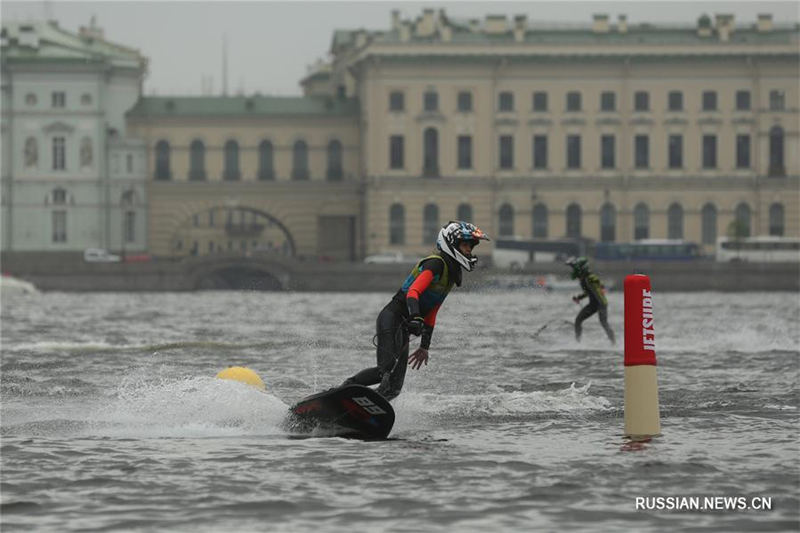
(593, 288)
(392, 333)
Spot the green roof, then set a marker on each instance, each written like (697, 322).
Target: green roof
(46, 42)
(205, 106)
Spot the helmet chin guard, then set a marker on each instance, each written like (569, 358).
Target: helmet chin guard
(456, 232)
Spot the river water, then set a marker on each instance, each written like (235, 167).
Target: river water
(112, 418)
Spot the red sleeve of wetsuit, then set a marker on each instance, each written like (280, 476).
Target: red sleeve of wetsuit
(430, 318)
(422, 282)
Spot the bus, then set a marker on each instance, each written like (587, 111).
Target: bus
(647, 250)
(762, 249)
(514, 253)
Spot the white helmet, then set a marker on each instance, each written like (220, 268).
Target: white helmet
(455, 232)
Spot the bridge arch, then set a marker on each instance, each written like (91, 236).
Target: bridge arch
(224, 229)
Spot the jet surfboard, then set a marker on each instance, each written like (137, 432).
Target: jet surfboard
(351, 411)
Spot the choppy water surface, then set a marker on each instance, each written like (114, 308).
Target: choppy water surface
(111, 417)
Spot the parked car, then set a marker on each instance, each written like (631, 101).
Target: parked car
(99, 255)
(388, 257)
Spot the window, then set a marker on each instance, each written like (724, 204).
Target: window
(130, 226)
(397, 224)
(59, 196)
(335, 171)
(709, 151)
(197, 160)
(675, 222)
(266, 162)
(59, 99)
(505, 101)
(641, 150)
(608, 101)
(708, 217)
(573, 221)
(506, 152)
(430, 160)
(608, 223)
(776, 220)
(675, 149)
(777, 100)
(709, 100)
(86, 99)
(465, 101)
(231, 171)
(464, 151)
(573, 151)
(59, 226)
(59, 153)
(397, 101)
(464, 212)
(573, 101)
(430, 223)
(431, 101)
(31, 152)
(641, 222)
(540, 221)
(30, 99)
(300, 161)
(162, 160)
(540, 101)
(742, 100)
(742, 219)
(742, 151)
(641, 101)
(506, 220)
(540, 151)
(776, 167)
(607, 151)
(129, 163)
(675, 101)
(396, 155)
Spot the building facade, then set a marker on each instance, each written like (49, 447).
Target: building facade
(71, 179)
(611, 132)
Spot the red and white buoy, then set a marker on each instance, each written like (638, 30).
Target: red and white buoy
(642, 418)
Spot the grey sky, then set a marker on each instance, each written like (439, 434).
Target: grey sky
(270, 44)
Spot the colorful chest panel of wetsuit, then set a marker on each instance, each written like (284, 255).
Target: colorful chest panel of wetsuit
(593, 287)
(431, 289)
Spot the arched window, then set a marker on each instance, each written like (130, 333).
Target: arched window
(430, 223)
(641, 221)
(708, 217)
(573, 221)
(608, 223)
(540, 221)
(675, 221)
(506, 221)
(776, 219)
(464, 212)
(430, 164)
(397, 224)
(776, 166)
(59, 196)
(742, 218)
(197, 160)
(335, 160)
(162, 161)
(231, 161)
(300, 161)
(266, 164)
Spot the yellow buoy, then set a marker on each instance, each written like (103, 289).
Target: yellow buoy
(242, 375)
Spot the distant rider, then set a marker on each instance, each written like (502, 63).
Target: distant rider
(593, 288)
(413, 308)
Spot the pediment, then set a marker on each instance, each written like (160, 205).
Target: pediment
(58, 127)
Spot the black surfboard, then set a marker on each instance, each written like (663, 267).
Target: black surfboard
(351, 411)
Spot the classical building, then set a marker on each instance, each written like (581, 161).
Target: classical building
(71, 179)
(612, 132)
